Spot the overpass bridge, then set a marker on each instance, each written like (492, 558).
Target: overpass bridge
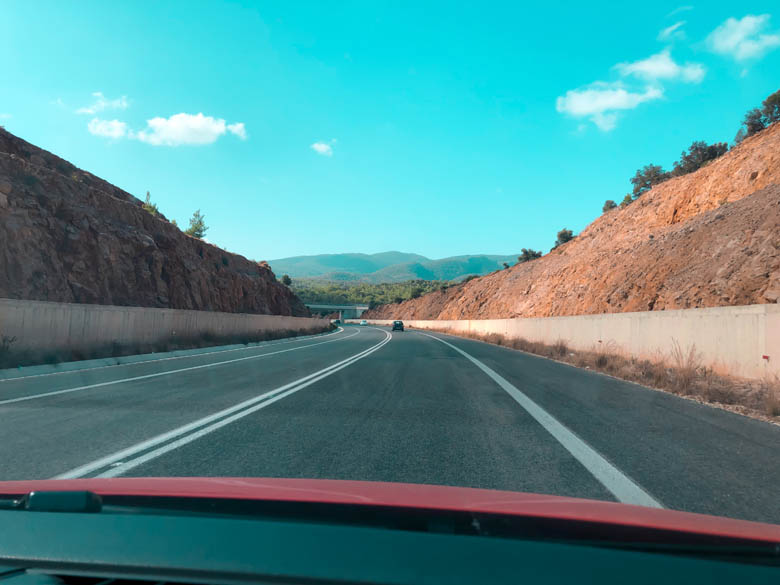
(344, 311)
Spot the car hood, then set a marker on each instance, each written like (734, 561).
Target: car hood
(410, 496)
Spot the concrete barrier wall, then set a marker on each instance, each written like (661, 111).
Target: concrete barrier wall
(43, 326)
(731, 340)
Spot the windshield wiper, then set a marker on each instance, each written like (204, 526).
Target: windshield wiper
(55, 501)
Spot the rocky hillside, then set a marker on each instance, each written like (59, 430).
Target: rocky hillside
(707, 239)
(68, 236)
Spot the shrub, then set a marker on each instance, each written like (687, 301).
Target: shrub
(563, 236)
(753, 122)
(526, 255)
(506, 265)
(608, 205)
(646, 178)
(626, 201)
(757, 119)
(286, 280)
(699, 153)
(149, 206)
(771, 108)
(198, 227)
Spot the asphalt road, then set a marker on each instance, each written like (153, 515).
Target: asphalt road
(366, 404)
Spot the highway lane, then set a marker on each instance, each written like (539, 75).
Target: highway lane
(49, 424)
(690, 456)
(410, 409)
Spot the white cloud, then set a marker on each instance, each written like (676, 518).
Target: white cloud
(102, 103)
(662, 66)
(600, 101)
(189, 129)
(107, 128)
(322, 148)
(238, 129)
(5, 116)
(672, 32)
(680, 9)
(744, 38)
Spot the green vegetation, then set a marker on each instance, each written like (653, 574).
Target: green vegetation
(700, 153)
(563, 236)
(526, 255)
(387, 267)
(286, 280)
(759, 118)
(198, 227)
(149, 206)
(334, 293)
(646, 177)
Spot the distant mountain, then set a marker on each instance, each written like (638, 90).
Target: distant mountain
(387, 266)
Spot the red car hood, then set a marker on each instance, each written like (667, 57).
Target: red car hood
(411, 496)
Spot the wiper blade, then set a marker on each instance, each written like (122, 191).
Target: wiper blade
(55, 501)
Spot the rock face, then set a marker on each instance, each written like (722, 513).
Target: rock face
(708, 239)
(68, 236)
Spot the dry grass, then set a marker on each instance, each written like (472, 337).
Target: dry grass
(560, 348)
(772, 396)
(681, 372)
(687, 363)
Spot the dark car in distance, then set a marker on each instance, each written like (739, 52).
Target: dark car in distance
(398, 325)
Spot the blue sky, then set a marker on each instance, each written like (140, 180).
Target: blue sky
(304, 128)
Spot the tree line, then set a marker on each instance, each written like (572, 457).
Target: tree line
(352, 293)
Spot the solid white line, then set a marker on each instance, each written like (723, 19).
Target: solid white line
(237, 411)
(620, 485)
(128, 465)
(165, 373)
(176, 357)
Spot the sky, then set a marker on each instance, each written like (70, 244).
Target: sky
(438, 128)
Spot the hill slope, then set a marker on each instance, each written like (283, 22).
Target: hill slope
(387, 266)
(68, 236)
(707, 239)
(350, 265)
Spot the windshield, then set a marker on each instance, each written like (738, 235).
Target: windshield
(518, 247)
